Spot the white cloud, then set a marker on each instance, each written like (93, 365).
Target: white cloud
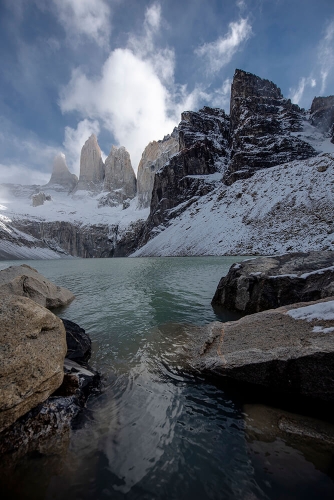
(128, 98)
(296, 94)
(16, 173)
(326, 56)
(75, 139)
(90, 18)
(135, 96)
(220, 52)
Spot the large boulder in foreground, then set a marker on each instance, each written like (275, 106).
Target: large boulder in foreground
(33, 348)
(267, 282)
(27, 282)
(289, 349)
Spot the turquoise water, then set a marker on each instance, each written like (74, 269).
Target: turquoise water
(156, 431)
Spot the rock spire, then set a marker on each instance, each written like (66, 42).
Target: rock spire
(120, 178)
(155, 156)
(91, 166)
(61, 176)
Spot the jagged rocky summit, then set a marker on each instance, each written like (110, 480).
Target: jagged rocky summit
(91, 166)
(61, 176)
(120, 179)
(266, 138)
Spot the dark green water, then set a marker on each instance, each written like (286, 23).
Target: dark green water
(157, 432)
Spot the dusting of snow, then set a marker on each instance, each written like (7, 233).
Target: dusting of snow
(322, 311)
(321, 329)
(281, 209)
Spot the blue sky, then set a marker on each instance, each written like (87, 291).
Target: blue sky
(126, 69)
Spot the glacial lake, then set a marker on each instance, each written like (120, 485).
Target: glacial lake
(158, 432)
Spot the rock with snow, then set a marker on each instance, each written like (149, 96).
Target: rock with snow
(276, 349)
(288, 208)
(120, 179)
(268, 282)
(33, 348)
(61, 176)
(202, 144)
(155, 155)
(322, 114)
(91, 166)
(263, 124)
(39, 199)
(25, 281)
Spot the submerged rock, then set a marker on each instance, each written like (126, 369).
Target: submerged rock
(27, 282)
(33, 348)
(267, 282)
(289, 349)
(79, 344)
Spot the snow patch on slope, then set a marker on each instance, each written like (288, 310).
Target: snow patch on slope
(281, 209)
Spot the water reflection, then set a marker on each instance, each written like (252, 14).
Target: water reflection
(157, 432)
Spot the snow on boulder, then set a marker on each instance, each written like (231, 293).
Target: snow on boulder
(268, 282)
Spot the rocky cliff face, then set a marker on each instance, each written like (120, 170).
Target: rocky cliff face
(119, 178)
(203, 145)
(61, 176)
(92, 168)
(155, 156)
(322, 114)
(262, 127)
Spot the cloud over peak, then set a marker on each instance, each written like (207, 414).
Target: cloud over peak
(220, 52)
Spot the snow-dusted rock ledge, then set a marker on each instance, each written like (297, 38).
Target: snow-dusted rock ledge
(267, 282)
(289, 349)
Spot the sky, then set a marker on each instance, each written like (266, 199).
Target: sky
(126, 69)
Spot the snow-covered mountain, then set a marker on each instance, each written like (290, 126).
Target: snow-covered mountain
(259, 181)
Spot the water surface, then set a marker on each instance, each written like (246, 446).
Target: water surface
(156, 431)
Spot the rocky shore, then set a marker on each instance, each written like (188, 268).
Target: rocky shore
(287, 349)
(45, 378)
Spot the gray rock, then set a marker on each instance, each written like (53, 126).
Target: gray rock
(61, 176)
(322, 113)
(91, 166)
(79, 344)
(33, 348)
(120, 178)
(155, 156)
(273, 349)
(27, 282)
(261, 124)
(268, 282)
(39, 199)
(203, 151)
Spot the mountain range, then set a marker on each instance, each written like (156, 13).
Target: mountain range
(257, 181)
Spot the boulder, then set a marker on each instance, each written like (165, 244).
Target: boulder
(79, 344)
(289, 349)
(33, 348)
(267, 282)
(39, 199)
(27, 282)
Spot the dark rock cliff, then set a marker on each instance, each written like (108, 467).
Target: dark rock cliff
(262, 121)
(203, 145)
